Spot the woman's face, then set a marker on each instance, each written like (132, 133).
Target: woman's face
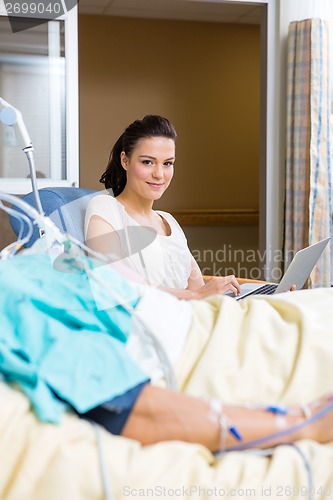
(150, 167)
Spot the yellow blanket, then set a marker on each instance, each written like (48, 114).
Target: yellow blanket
(263, 349)
(272, 349)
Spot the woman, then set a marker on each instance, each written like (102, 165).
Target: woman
(123, 222)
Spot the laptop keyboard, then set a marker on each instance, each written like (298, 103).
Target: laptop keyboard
(264, 290)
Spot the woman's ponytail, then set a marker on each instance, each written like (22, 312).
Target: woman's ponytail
(114, 176)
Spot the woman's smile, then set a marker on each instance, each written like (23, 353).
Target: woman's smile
(155, 185)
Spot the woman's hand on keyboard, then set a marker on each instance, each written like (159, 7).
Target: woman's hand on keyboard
(219, 285)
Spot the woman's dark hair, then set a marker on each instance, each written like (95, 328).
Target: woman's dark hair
(114, 176)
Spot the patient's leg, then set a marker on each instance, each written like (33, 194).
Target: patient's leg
(163, 415)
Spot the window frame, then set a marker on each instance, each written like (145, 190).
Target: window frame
(22, 186)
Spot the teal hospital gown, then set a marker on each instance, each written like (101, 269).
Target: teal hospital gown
(57, 343)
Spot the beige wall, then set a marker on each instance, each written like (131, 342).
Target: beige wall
(203, 76)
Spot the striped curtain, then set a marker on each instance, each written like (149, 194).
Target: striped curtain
(308, 204)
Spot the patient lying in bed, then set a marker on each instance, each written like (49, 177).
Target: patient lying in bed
(63, 341)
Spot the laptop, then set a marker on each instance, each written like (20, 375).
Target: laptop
(296, 274)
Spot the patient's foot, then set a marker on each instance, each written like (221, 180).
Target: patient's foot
(322, 428)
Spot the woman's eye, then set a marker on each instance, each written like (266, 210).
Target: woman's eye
(147, 162)
(168, 164)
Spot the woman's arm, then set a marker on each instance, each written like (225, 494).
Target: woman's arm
(163, 415)
(197, 289)
(102, 237)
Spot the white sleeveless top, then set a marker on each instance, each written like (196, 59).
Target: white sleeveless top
(161, 260)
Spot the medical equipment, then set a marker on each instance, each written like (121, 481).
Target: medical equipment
(51, 231)
(12, 117)
(278, 410)
(285, 432)
(102, 462)
(11, 249)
